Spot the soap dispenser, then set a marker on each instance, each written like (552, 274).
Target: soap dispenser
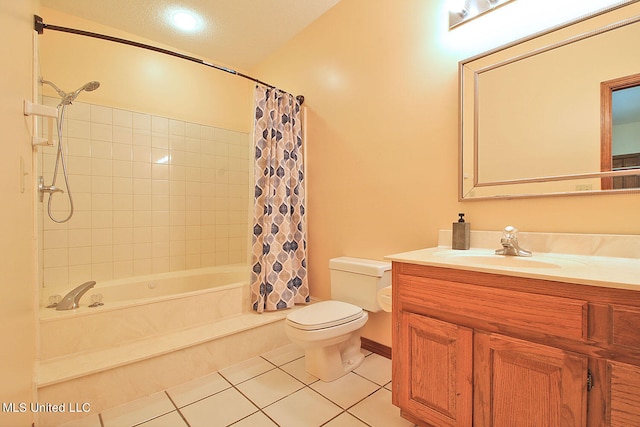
(461, 238)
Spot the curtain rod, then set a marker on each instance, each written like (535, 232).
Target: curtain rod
(40, 26)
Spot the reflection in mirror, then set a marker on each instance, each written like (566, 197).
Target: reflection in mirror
(621, 130)
(531, 117)
(620, 143)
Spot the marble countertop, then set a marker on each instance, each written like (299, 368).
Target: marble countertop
(602, 267)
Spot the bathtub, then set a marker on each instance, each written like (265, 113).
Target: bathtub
(197, 321)
(142, 307)
(135, 290)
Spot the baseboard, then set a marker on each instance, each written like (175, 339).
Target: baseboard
(376, 347)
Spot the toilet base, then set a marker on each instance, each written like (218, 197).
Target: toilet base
(332, 362)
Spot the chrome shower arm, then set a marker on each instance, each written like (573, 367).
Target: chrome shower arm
(57, 89)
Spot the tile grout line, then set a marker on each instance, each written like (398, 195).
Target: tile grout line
(246, 397)
(177, 409)
(261, 410)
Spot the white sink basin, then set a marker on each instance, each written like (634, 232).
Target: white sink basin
(488, 259)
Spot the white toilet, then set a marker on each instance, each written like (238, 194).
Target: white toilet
(329, 331)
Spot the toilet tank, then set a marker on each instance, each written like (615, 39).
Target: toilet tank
(357, 281)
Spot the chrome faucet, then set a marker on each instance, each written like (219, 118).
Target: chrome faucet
(71, 300)
(509, 243)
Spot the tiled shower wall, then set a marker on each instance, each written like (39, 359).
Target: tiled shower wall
(151, 195)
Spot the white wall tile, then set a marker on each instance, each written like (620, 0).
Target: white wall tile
(100, 114)
(79, 147)
(141, 153)
(77, 129)
(101, 132)
(101, 237)
(78, 111)
(159, 171)
(151, 194)
(122, 151)
(101, 184)
(193, 130)
(56, 257)
(122, 269)
(122, 185)
(123, 118)
(177, 127)
(142, 251)
(159, 140)
(101, 167)
(80, 273)
(123, 234)
(122, 168)
(123, 202)
(141, 138)
(141, 121)
(102, 254)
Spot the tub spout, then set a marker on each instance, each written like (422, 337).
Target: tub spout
(71, 300)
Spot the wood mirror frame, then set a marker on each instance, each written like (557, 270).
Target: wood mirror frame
(606, 136)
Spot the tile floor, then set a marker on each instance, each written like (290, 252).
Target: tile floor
(266, 391)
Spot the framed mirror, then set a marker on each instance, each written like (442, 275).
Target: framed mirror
(533, 119)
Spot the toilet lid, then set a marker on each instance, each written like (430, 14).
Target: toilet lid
(324, 315)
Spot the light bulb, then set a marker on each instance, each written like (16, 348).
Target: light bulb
(458, 6)
(184, 20)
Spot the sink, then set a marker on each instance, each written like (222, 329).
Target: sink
(484, 258)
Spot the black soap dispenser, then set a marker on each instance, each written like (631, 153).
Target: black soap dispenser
(461, 238)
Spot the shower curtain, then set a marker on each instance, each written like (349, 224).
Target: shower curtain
(279, 247)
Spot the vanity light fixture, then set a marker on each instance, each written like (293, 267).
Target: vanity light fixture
(461, 11)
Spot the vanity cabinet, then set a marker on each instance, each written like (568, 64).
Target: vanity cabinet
(489, 350)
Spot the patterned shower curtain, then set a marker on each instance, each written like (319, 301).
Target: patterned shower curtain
(279, 260)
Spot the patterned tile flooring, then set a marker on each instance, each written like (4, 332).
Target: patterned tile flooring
(266, 391)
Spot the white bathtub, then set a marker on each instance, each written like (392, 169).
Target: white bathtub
(173, 284)
(142, 307)
(152, 332)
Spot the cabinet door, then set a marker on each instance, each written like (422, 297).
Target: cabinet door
(615, 399)
(519, 383)
(433, 372)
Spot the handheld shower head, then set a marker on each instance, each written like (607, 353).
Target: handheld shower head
(68, 98)
(91, 86)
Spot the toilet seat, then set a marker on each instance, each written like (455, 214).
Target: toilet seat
(323, 315)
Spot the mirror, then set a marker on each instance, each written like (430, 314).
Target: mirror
(531, 115)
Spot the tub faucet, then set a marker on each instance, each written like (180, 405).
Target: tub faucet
(71, 300)
(509, 243)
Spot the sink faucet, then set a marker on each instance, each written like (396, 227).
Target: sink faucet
(71, 300)
(509, 243)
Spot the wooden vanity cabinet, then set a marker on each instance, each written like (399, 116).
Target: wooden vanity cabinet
(487, 350)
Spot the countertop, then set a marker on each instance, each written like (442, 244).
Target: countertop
(603, 271)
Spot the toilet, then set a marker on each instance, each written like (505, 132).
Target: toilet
(329, 331)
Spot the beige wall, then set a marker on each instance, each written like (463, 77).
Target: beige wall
(140, 80)
(17, 281)
(380, 81)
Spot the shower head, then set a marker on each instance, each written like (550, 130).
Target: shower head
(68, 98)
(93, 85)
